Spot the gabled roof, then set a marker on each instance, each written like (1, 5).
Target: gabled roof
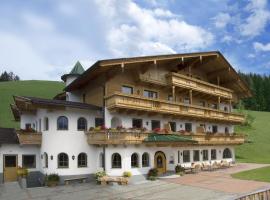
(221, 67)
(76, 70)
(8, 136)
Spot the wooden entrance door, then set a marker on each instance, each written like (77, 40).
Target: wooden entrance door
(160, 162)
(10, 168)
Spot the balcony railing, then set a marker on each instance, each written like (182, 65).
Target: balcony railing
(115, 137)
(218, 138)
(29, 137)
(134, 102)
(183, 81)
(105, 137)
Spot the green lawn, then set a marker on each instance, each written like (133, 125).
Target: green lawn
(44, 89)
(261, 174)
(258, 150)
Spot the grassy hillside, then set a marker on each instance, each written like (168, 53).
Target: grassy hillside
(259, 150)
(45, 89)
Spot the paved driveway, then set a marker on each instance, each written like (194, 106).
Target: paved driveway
(202, 186)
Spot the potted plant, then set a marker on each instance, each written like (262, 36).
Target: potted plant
(179, 170)
(152, 174)
(99, 175)
(52, 180)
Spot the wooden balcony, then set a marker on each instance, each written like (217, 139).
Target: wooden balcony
(183, 81)
(139, 103)
(29, 138)
(115, 137)
(218, 139)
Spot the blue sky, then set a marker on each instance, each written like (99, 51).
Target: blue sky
(44, 39)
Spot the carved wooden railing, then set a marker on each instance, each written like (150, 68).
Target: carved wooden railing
(183, 81)
(29, 138)
(135, 102)
(115, 137)
(260, 195)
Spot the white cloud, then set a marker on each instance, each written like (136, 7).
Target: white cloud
(138, 31)
(257, 20)
(37, 22)
(261, 47)
(221, 20)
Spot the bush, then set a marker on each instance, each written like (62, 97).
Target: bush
(22, 172)
(152, 178)
(53, 178)
(152, 173)
(179, 169)
(99, 174)
(127, 174)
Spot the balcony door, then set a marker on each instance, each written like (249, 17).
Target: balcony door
(10, 168)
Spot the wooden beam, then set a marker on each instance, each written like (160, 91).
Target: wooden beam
(217, 71)
(206, 61)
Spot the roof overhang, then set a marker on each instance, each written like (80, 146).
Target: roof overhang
(213, 62)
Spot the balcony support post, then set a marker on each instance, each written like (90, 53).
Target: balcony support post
(218, 80)
(219, 103)
(173, 93)
(190, 96)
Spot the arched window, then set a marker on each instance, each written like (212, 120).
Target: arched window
(46, 124)
(62, 123)
(62, 160)
(227, 153)
(134, 160)
(82, 124)
(116, 161)
(45, 160)
(145, 160)
(82, 160)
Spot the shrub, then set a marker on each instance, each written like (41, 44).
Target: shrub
(53, 178)
(99, 174)
(152, 178)
(22, 172)
(152, 173)
(179, 169)
(127, 174)
(91, 129)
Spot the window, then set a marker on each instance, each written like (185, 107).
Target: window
(82, 160)
(62, 160)
(227, 153)
(205, 154)
(46, 123)
(45, 156)
(145, 160)
(202, 103)
(196, 155)
(173, 126)
(150, 94)
(213, 154)
(214, 129)
(226, 130)
(186, 156)
(27, 126)
(155, 124)
(214, 106)
(137, 123)
(116, 161)
(225, 109)
(84, 98)
(62, 123)
(82, 124)
(188, 127)
(186, 100)
(99, 122)
(134, 160)
(39, 125)
(170, 97)
(127, 90)
(29, 161)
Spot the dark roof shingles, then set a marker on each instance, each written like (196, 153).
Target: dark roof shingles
(8, 136)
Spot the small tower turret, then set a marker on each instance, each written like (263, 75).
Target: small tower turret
(76, 71)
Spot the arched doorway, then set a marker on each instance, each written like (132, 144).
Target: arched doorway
(160, 162)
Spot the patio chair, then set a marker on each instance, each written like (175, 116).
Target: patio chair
(197, 168)
(224, 164)
(205, 167)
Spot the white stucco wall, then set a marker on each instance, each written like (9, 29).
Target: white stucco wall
(15, 149)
